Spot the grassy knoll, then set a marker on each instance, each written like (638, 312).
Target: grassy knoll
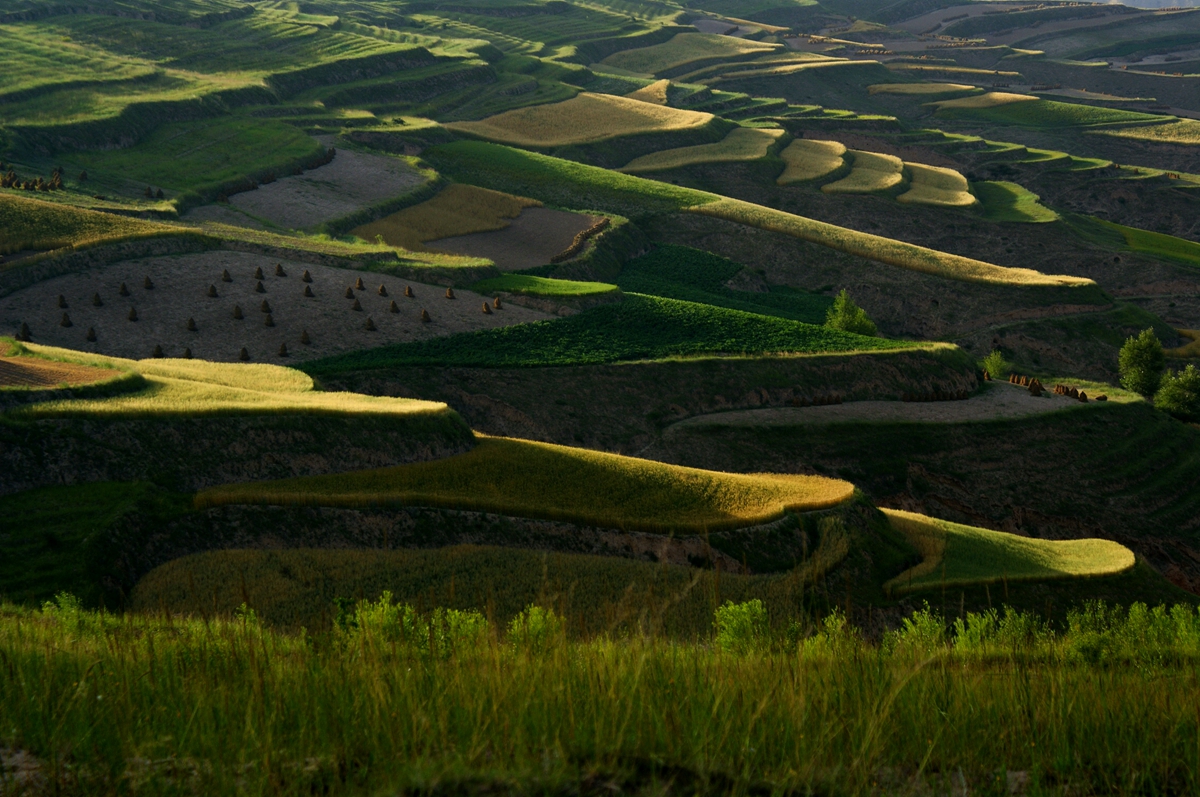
(638, 328)
(527, 479)
(52, 539)
(692, 275)
(685, 49)
(32, 224)
(189, 388)
(870, 172)
(584, 119)
(456, 210)
(1003, 201)
(201, 156)
(1180, 131)
(956, 555)
(1026, 111)
(809, 159)
(741, 144)
(558, 181)
(883, 250)
(937, 186)
(541, 286)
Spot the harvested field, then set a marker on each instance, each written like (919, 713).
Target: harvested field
(655, 93)
(684, 49)
(938, 187)
(459, 209)
(742, 144)
(38, 373)
(584, 119)
(349, 183)
(180, 292)
(528, 241)
(871, 172)
(1000, 401)
(920, 89)
(808, 159)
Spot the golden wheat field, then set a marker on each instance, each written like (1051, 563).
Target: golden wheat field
(458, 209)
(684, 49)
(583, 119)
(958, 555)
(870, 173)
(918, 89)
(655, 93)
(938, 187)
(529, 479)
(1181, 131)
(991, 99)
(32, 224)
(742, 144)
(879, 249)
(198, 387)
(809, 159)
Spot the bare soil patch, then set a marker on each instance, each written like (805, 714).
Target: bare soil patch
(530, 240)
(32, 372)
(348, 183)
(180, 292)
(1001, 401)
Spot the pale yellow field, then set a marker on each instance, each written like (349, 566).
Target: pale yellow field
(197, 387)
(870, 172)
(879, 249)
(1181, 131)
(742, 144)
(583, 119)
(991, 99)
(918, 88)
(685, 48)
(524, 478)
(458, 209)
(937, 186)
(958, 555)
(655, 93)
(809, 159)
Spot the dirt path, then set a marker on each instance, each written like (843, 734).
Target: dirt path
(180, 292)
(351, 181)
(532, 238)
(1001, 400)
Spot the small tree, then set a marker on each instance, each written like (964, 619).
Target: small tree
(741, 627)
(995, 364)
(1179, 394)
(849, 317)
(1141, 363)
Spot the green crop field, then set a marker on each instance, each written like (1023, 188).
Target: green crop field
(33, 224)
(638, 328)
(685, 49)
(692, 275)
(188, 388)
(1002, 201)
(1155, 244)
(527, 479)
(1180, 131)
(741, 144)
(957, 555)
(541, 286)
(1033, 112)
(883, 250)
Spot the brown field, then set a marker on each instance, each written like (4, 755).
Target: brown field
(655, 93)
(457, 210)
(530, 240)
(584, 119)
(35, 372)
(180, 289)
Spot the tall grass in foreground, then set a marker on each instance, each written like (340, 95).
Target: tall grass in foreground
(133, 704)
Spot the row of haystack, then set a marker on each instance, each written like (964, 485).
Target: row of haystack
(1079, 395)
(1033, 383)
(937, 395)
(580, 240)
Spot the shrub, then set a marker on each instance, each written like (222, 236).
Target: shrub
(1179, 394)
(849, 317)
(921, 633)
(741, 627)
(536, 630)
(1141, 363)
(995, 364)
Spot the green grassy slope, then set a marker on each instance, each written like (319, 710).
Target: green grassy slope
(638, 328)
